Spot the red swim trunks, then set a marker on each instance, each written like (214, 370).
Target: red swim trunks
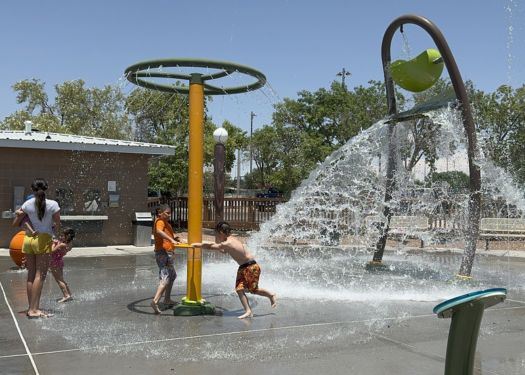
(248, 276)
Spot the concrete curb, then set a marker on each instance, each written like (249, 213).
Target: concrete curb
(134, 250)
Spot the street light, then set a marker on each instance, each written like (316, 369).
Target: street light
(343, 73)
(221, 136)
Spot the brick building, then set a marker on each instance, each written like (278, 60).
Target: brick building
(99, 183)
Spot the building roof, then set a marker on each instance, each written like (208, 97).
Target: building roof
(70, 142)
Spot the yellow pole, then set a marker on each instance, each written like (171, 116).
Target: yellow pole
(195, 185)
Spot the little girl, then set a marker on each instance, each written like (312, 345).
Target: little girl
(60, 248)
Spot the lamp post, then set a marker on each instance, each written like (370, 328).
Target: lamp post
(239, 172)
(221, 136)
(252, 115)
(343, 73)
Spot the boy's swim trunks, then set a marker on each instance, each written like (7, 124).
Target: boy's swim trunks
(248, 276)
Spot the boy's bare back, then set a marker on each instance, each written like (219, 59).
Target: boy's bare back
(236, 249)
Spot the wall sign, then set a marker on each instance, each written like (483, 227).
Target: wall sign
(112, 186)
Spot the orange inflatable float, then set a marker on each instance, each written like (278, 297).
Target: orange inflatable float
(15, 248)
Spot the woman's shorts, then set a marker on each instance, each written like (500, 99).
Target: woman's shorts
(164, 260)
(38, 244)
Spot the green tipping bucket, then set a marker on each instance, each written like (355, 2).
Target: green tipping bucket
(420, 73)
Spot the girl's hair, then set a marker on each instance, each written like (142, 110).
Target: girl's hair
(39, 186)
(223, 227)
(69, 234)
(162, 208)
(156, 212)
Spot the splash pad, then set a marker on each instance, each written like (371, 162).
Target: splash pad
(376, 323)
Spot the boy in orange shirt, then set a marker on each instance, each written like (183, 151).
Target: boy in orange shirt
(165, 241)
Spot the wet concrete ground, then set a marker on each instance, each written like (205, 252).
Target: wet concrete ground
(109, 327)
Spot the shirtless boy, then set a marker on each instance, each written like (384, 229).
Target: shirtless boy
(248, 272)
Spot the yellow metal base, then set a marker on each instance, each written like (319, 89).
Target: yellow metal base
(186, 301)
(463, 277)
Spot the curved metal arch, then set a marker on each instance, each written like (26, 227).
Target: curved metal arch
(137, 72)
(468, 123)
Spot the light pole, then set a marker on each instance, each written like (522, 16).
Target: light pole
(239, 172)
(343, 73)
(221, 136)
(252, 115)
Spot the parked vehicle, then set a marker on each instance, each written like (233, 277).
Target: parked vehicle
(267, 205)
(271, 193)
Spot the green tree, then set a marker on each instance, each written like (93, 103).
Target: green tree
(500, 116)
(457, 180)
(265, 153)
(423, 131)
(308, 129)
(160, 117)
(163, 118)
(75, 110)
(334, 115)
(237, 139)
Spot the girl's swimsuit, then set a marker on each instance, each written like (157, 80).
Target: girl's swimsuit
(57, 257)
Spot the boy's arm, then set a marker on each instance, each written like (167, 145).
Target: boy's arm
(209, 246)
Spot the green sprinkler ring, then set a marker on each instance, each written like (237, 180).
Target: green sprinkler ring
(140, 73)
(466, 312)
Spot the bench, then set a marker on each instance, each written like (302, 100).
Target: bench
(403, 225)
(492, 228)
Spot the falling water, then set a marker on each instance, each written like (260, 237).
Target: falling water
(316, 245)
(509, 9)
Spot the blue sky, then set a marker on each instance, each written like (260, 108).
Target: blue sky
(297, 44)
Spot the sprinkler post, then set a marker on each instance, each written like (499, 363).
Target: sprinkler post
(466, 312)
(474, 204)
(193, 303)
(195, 183)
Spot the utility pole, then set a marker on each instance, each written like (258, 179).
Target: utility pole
(252, 115)
(343, 73)
(239, 172)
